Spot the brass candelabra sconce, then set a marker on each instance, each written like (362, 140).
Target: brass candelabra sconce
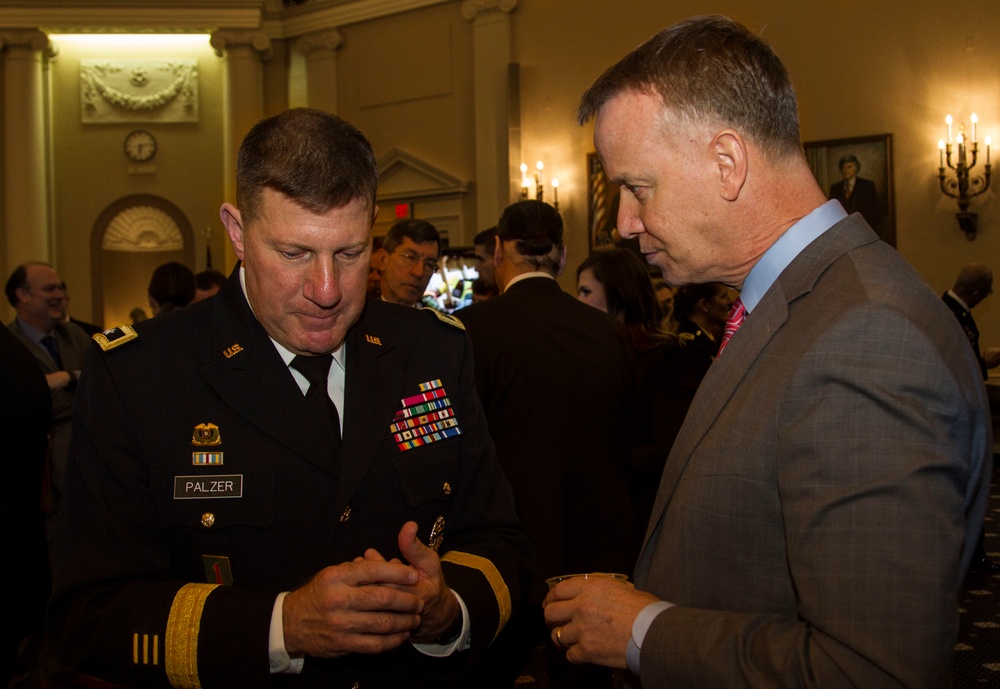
(963, 187)
(539, 184)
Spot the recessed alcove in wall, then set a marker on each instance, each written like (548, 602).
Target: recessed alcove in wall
(130, 238)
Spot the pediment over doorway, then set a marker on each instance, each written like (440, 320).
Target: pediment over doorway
(405, 177)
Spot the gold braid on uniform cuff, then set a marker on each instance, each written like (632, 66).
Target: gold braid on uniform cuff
(183, 625)
(496, 582)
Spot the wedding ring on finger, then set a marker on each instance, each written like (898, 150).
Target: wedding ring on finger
(559, 641)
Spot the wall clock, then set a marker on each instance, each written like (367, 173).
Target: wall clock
(140, 146)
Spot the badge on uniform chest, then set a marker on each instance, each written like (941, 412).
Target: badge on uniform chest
(206, 435)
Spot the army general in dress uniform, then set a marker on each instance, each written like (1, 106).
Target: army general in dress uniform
(222, 530)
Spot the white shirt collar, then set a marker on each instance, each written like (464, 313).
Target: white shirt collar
(525, 276)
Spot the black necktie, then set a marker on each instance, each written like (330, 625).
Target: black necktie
(49, 343)
(316, 369)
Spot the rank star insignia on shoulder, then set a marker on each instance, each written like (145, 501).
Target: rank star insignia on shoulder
(115, 337)
(446, 318)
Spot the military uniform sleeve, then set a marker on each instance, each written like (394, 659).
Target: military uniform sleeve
(117, 612)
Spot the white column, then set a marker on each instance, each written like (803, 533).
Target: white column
(25, 194)
(491, 55)
(243, 105)
(320, 51)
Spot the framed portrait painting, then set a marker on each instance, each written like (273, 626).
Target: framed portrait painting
(602, 206)
(858, 173)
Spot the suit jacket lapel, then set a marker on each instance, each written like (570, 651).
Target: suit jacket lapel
(741, 354)
(246, 370)
(372, 394)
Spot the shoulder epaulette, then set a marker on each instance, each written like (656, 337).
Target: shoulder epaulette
(115, 337)
(446, 318)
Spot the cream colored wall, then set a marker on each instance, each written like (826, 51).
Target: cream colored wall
(859, 68)
(91, 170)
(406, 82)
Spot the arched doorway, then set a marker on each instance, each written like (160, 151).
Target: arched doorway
(130, 238)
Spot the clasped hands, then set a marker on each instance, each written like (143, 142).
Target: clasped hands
(371, 605)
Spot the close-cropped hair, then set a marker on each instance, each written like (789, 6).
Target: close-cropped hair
(209, 278)
(486, 238)
(316, 159)
(709, 69)
(417, 231)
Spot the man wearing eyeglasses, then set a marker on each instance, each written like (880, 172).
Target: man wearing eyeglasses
(407, 259)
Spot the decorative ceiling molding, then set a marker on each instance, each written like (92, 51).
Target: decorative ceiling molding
(341, 15)
(173, 16)
(83, 17)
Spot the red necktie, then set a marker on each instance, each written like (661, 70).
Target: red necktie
(737, 315)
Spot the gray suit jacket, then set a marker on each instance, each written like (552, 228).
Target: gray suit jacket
(821, 503)
(72, 343)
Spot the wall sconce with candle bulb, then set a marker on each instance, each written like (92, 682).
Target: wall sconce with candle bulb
(962, 187)
(539, 184)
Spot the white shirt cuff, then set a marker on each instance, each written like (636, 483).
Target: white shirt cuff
(461, 642)
(279, 659)
(643, 621)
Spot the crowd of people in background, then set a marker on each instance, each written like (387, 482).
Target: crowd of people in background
(404, 443)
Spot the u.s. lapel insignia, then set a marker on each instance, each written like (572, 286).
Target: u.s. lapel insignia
(374, 340)
(232, 351)
(115, 337)
(206, 435)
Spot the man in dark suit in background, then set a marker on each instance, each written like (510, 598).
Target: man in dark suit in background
(554, 377)
(234, 514)
(857, 194)
(38, 296)
(823, 498)
(973, 284)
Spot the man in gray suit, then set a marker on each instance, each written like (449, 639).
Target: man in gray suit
(822, 501)
(38, 296)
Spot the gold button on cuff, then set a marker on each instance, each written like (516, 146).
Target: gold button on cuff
(208, 520)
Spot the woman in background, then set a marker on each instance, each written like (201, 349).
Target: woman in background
(616, 282)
